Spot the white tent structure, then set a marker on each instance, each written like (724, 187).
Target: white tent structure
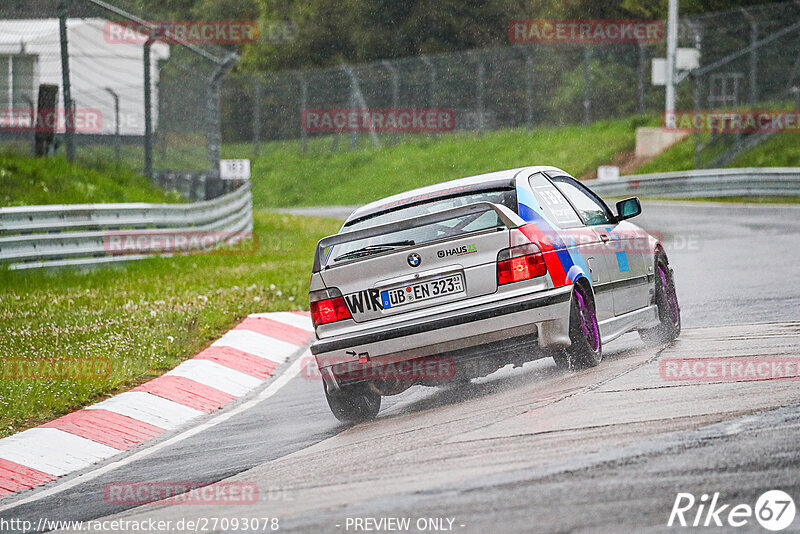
(30, 55)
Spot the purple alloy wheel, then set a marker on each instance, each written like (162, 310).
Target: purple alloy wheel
(588, 322)
(670, 298)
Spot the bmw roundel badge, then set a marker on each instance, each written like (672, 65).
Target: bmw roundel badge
(414, 260)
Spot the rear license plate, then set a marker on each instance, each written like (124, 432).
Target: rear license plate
(391, 298)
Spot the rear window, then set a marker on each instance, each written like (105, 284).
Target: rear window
(428, 233)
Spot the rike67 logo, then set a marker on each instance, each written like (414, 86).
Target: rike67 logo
(774, 510)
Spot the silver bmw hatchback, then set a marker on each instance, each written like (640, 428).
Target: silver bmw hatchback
(453, 281)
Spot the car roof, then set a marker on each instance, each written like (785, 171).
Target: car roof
(479, 182)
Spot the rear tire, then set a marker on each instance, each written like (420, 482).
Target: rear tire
(669, 312)
(586, 348)
(354, 404)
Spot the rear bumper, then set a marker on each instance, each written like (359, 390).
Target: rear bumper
(543, 314)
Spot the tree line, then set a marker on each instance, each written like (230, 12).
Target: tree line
(318, 33)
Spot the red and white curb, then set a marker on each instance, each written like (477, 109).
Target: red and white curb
(238, 362)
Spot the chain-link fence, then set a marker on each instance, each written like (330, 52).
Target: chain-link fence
(748, 57)
(518, 86)
(82, 78)
(750, 63)
(525, 85)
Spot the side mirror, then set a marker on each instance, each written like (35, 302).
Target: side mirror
(630, 207)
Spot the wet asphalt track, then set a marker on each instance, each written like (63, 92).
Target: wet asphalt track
(515, 450)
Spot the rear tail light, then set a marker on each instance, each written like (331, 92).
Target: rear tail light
(327, 306)
(520, 263)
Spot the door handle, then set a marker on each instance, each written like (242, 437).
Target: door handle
(604, 238)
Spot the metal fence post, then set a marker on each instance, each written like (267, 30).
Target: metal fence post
(69, 115)
(115, 96)
(303, 105)
(32, 118)
(479, 90)
(432, 88)
(44, 133)
(352, 105)
(432, 75)
(258, 89)
(697, 33)
(395, 91)
(791, 84)
(214, 186)
(148, 112)
(642, 78)
(357, 102)
(161, 135)
(696, 106)
(753, 96)
(529, 90)
(587, 81)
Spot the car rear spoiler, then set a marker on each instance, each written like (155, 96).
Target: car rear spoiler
(508, 218)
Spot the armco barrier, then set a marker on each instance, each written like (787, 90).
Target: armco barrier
(755, 182)
(58, 235)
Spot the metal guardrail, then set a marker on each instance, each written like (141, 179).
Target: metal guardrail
(720, 183)
(78, 234)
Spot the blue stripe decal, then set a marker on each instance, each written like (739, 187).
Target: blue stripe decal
(622, 261)
(572, 262)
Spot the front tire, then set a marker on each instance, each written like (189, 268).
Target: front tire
(354, 404)
(669, 312)
(586, 349)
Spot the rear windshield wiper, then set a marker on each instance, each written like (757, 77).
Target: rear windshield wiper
(373, 249)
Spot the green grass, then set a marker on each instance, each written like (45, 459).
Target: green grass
(33, 181)
(679, 157)
(145, 316)
(282, 176)
(178, 157)
(780, 150)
